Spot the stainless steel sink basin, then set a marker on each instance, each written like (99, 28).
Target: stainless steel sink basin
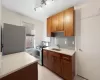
(56, 49)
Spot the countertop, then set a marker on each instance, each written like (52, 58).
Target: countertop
(63, 51)
(14, 62)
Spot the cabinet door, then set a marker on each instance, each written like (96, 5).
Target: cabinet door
(57, 64)
(66, 69)
(54, 23)
(51, 61)
(60, 18)
(45, 58)
(49, 25)
(69, 22)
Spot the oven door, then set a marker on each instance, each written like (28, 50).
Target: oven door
(39, 56)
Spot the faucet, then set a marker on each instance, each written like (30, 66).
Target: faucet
(58, 46)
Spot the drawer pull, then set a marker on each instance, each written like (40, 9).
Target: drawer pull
(65, 58)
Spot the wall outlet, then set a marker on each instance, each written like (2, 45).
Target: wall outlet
(73, 42)
(65, 42)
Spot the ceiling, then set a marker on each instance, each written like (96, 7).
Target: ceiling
(26, 7)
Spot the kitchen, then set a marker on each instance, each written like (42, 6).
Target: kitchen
(70, 35)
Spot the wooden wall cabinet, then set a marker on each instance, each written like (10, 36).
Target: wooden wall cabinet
(62, 65)
(49, 26)
(63, 21)
(69, 22)
(60, 17)
(54, 23)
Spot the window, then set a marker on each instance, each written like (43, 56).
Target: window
(30, 39)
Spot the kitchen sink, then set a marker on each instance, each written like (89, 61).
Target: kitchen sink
(56, 49)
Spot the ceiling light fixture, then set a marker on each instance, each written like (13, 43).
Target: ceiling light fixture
(43, 2)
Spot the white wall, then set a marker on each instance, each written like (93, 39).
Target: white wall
(0, 34)
(0, 21)
(88, 40)
(17, 19)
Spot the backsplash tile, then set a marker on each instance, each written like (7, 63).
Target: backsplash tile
(64, 42)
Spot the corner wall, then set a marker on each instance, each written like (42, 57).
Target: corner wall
(88, 40)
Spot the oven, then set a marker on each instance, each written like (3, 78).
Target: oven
(37, 53)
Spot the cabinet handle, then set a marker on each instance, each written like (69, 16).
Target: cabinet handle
(66, 58)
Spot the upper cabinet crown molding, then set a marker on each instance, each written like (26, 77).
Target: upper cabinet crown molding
(63, 21)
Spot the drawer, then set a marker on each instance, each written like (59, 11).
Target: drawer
(44, 51)
(50, 52)
(66, 57)
(56, 54)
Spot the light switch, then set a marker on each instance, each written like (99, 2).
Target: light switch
(65, 42)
